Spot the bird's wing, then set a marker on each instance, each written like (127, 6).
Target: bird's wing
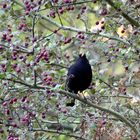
(69, 77)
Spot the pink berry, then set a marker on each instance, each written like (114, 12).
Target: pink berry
(7, 111)
(4, 104)
(97, 23)
(18, 70)
(15, 100)
(4, 5)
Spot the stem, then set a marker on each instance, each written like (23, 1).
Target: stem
(35, 77)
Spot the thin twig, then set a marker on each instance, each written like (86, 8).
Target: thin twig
(60, 133)
(35, 77)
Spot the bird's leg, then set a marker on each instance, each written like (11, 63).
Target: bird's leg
(82, 95)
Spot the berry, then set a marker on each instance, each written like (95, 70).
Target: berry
(97, 23)
(123, 31)
(4, 5)
(4, 104)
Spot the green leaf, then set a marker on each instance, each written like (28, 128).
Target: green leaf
(1, 12)
(48, 5)
(2, 76)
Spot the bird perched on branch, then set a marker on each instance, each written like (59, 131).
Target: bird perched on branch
(79, 76)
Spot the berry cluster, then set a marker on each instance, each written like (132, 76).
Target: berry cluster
(30, 5)
(43, 55)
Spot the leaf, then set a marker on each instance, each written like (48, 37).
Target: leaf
(2, 76)
(118, 4)
(1, 12)
(48, 5)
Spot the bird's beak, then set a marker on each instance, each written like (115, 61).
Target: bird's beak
(82, 55)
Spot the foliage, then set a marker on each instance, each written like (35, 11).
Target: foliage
(39, 40)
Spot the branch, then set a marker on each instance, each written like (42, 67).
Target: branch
(54, 125)
(83, 100)
(116, 114)
(83, 31)
(59, 65)
(35, 77)
(33, 26)
(18, 3)
(127, 17)
(60, 132)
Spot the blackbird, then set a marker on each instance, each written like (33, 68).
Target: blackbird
(79, 76)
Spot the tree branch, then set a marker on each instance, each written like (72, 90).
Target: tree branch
(116, 114)
(54, 125)
(83, 100)
(127, 17)
(60, 133)
(83, 31)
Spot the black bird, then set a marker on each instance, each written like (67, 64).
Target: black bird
(79, 76)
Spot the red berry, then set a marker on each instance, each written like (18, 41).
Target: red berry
(49, 78)
(27, 12)
(28, 65)
(8, 39)
(26, 2)
(135, 33)
(14, 57)
(15, 100)
(3, 65)
(11, 102)
(102, 22)
(23, 99)
(14, 125)
(117, 49)
(55, 1)
(82, 37)
(10, 118)
(1, 130)
(18, 70)
(61, 11)
(97, 23)
(4, 5)
(4, 104)
(103, 27)
(4, 36)
(52, 14)
(39, 3)
(7, 111)
(84, 7)
(43, 116)
(126, 68)
(68, 8)
(122, 31)
(72, 8)
(9, 29)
